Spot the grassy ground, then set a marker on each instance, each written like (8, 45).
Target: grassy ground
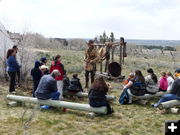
(131, 119)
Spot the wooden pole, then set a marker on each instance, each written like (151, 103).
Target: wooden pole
(83, 94)
(146, 96)
(55, 103)
(169, 104)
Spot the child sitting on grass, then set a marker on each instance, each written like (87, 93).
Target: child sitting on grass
(75, 85)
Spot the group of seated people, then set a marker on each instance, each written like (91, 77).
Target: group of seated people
(46, 86)
(137, 85)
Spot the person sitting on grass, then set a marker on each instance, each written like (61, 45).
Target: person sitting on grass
(75, 85)
(47, 88)
(174, 92)
(151, 82)
(131, 76)
(170, 79)
(97, 94)
(36, 75)
(163, 83)
(136, 86)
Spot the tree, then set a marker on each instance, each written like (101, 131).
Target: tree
(112, 38)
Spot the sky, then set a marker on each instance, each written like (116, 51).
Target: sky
(131, 19)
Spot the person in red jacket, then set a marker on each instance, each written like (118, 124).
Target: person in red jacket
(56, 64)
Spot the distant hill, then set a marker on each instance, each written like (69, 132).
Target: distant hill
(146, 42)
(154, 42)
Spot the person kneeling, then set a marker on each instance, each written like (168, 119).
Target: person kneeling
(47, 88)
(97, 94)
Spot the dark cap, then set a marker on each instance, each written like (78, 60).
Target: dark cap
(177, 70)
(43, 59)
(91, 42)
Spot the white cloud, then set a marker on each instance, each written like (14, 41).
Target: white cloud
(147, 19)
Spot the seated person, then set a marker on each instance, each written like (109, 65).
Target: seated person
(97, 94)
(75, 85)
(170, 80)
(47, 88)
(131, 76)
(66, 82)
(36, 75)
(151, 82)
(163, 83)
(174, 92)
(136, 86)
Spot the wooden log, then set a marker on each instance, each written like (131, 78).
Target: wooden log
(55, 103)
(169, 104)
(146, 96)
(83, 94)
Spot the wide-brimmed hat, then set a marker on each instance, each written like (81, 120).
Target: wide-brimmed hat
(177, 70)
(90, 42)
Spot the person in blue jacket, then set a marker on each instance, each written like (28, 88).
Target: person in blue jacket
(36, 74)
(12, 68)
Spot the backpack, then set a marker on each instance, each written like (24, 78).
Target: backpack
(138, 89)
(124, 97)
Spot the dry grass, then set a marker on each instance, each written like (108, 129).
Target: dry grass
(127, 120)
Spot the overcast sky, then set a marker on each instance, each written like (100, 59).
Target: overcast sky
(132, 19)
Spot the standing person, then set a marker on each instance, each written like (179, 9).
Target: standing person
(163, 83)
(170, 80)
(91, 58)
(18, 71)
(151, 82)
(43, 61)
(12, 68)
(136, 86)
(97, 94)
(56, 64)
(44, 67)
(174, 93)
(36, 74)
(47, 88)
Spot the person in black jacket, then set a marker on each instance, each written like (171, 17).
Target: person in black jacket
(75, 85)
(97, 94)
(36, 74)
(174, 92)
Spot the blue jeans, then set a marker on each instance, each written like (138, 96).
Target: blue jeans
(165, 98)
(55, 95)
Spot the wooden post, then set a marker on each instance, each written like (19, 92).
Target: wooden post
(112, 54)
(55, 103)
(120, 55)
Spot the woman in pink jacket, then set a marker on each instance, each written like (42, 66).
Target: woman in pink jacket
(163, 83)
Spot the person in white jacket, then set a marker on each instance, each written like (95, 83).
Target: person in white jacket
(170, 80)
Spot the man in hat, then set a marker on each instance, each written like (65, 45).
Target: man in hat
(91, 58)
(174, 92)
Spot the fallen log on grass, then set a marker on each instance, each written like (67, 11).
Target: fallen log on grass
(55, 103)
(169, 104)
(147, 96)
(83, 94)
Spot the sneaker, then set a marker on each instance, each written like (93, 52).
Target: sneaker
(13, 92)
(154, 105)
(64, 109)
(45, 107)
